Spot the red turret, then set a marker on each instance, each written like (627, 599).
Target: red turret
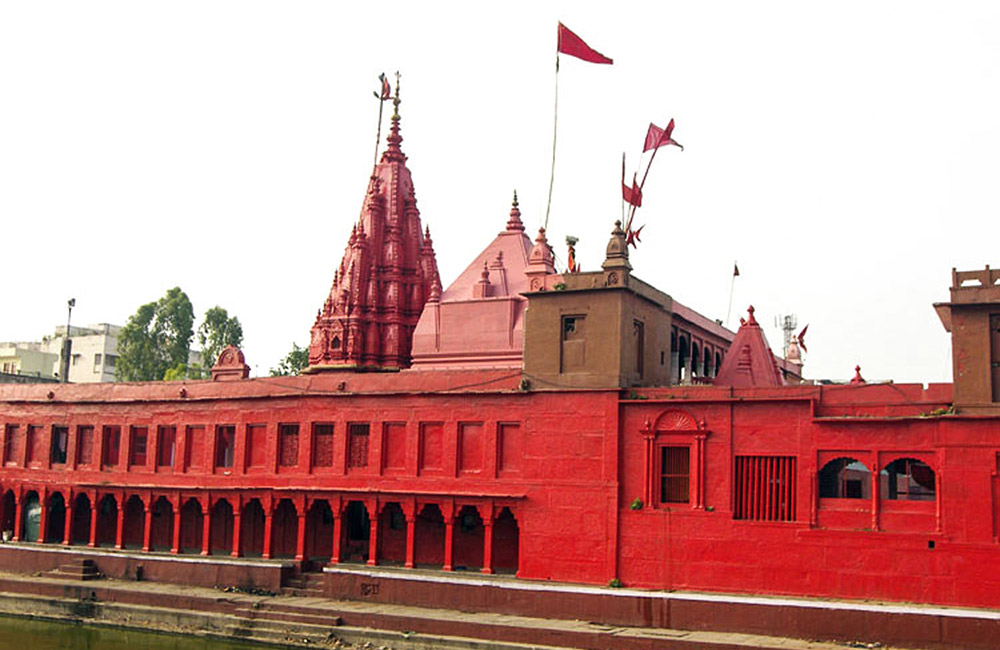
(387, 274)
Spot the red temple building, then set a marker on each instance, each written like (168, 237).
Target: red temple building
(568, 427)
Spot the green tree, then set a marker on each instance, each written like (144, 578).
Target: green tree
(293, 363)
(216, 331)
(156, 338)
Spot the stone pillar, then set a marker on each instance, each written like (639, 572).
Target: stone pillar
(449, 541)
(373, 538)
(93, 521)
(43, 520)
(147, 527)
(68, 527)
(411, 538)
(18, 515)
(237, 516)
(337, 531)
(120, 527)
(175, 544)
(488, 544)
(268, 516)
(206, 531)
(300, 537)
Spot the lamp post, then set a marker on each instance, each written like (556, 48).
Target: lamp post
(67, 346)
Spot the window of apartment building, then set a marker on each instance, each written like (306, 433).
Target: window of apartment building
(12, 443)
(139, 437)
(112, 445)
(907, 479)
(675, 474)
(357, 445)
(225, 445)
(76, 359)
(84, 444)
(845, 478)
(288, 445)
(110, 360)
(573, 341)
(764, 488)
(256, 453)
(322, 445)
(33, 442)
(97, 362)
(60, 443)
(166, 442)
(194, 446)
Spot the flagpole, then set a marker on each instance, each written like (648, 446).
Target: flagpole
(643, 183)
(555, 130)
(732, 287)
(378, 134)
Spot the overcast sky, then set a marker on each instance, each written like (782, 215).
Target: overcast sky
(846, 154)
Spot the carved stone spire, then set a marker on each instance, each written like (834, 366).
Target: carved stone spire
(514, 223)
(386, 275)
(616, 265)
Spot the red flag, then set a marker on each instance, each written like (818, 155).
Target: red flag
(386, 90)
(802, 338)
(570, 43)
(736, 270)
(631, 195)
(657, 137)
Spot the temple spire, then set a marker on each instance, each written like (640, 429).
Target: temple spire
(514, 223)
(394, 153)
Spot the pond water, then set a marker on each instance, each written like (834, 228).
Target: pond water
(46, 635)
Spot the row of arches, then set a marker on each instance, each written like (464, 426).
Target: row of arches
(902, 479)
(405, 532)
(691, 359)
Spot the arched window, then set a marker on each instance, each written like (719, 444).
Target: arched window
(845, 478)
(908, 479)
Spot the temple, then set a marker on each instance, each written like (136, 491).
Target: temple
(565, 427)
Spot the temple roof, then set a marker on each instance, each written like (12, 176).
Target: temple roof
(750, 362)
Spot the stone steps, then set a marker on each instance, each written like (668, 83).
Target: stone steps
(77, 570)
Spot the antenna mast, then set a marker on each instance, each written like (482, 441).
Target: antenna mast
(787, 324)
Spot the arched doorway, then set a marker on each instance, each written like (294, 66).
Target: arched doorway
(192, 525)
(32, 517)
(80, 532)
(429, 537)
(221, 535)
(469, 535)
(161, 528)
(319, 532)
(392, 535)
(56, 519)
(252, 529)
(506, 543)
(357, 529)
(107, 521)
(133, 523)
(284, 529)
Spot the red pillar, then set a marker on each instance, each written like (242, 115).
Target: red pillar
(267, 535)
(337, 531)
(147, 523)
(411, 537)
(43, 519)
(236, 533)
(119, 529)
(300, 536)
(17, 518)
(93, 521)
(175, 543)
(68, 526)
(488, 545)
(373, 538)
(449, 541)
(206, 531)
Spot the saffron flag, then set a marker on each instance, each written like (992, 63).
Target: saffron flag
(570, 43)
(657, 137)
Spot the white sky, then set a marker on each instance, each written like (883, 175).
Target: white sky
(846, 154)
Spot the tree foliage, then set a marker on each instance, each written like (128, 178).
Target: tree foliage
(293, 363)
(156, 338)
(216, 331)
